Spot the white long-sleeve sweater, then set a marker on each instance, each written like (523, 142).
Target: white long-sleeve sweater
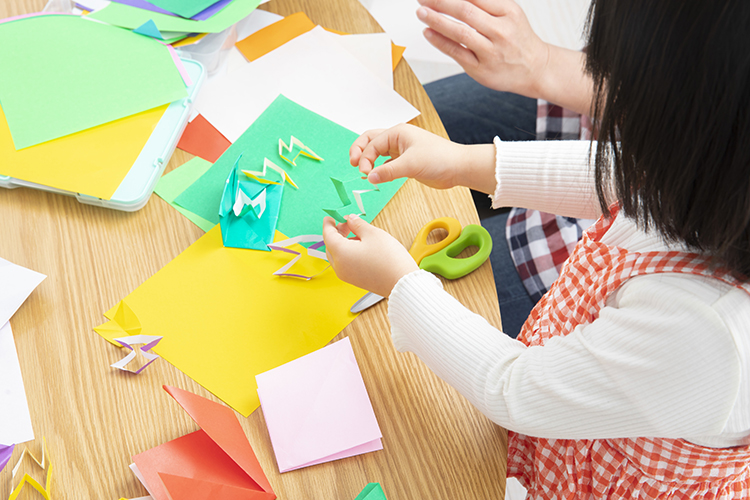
(669, 355)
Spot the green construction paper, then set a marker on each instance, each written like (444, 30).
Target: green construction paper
(61, 74)
(171, 185)
(129, 17)
(184, 8)
(373, 491)
(301, 209)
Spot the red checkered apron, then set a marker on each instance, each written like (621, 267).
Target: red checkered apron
(648, 468)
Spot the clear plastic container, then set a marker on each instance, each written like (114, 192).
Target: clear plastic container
(208, 50)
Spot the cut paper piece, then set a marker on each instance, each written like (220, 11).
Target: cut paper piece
(139, 346)
(300, 211)
(249, 212)
(190, 40)
(216, 461)
(317, 408)
(184, 8)
(15, 419)
(312, 251)
(175, 182)
(274, 36)
(180, 67)
(373, 491)
(335, 85)
(201, 16)
(149, 29)
(259, 175)
(346, 202)
(5, 453)
(202, 139)
(264, 321)
(129, 17)
(93, 162)
(45, 463)
(287, 151)
(17, 284)
(65, 74)
(397, 52)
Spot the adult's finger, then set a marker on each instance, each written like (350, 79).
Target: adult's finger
(457, 52)
(474, 23)
(492, 7)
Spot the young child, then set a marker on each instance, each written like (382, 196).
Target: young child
(631, 377)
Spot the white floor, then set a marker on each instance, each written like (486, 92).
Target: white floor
(556, 21)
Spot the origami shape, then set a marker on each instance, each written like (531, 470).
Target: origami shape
(139, 345)
(303, 150)
(312, 251)
(249, 212)
(149, 29)
(213, 462)
(260, 175)
(346, 201)
(26, 479)
(317, 409)
(373, 491)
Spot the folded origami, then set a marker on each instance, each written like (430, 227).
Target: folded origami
(213, 462)
(44, 464)
(372, 491)
(249, 211)
(317, 408)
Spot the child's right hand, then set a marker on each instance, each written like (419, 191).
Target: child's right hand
(414, 153)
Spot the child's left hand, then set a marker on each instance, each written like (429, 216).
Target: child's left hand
(374, 260)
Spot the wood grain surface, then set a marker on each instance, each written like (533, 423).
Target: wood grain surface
(94, 418)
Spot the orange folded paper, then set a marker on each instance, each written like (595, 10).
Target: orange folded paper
(213, 462)
(202, 139)
(277, 34)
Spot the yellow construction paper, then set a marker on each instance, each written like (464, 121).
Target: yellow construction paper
(92, 162)
(225, 317)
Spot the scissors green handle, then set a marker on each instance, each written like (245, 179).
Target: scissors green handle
(444, 261)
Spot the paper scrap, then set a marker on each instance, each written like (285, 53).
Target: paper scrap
(215, 460)
(315, 72)
(312, 251)
(139, 346)
(274, 36)
(300, 211)
(17, 284)
(373, 491)
(175, 182)
(149, 29)
(317, 408)
(64, 74)
(5, 453)
(202, 139)
(263, 321)
(45, 463)
(287, 151)
(249, 212)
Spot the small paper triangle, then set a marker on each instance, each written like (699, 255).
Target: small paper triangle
(149, 29)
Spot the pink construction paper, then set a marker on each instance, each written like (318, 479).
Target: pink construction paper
(180, 67)
(317, 408)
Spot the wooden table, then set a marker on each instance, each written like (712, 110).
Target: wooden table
(436, 446)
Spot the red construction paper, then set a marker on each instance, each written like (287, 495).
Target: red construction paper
(202, 139)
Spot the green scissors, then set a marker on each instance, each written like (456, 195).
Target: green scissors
(440, 258)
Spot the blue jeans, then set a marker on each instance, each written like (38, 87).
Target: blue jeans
(474, 114)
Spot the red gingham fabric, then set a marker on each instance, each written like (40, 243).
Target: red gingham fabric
(647, 468)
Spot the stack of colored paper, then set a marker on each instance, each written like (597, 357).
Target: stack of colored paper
(80, 100)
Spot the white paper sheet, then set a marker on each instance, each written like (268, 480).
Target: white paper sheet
(15, 421)
(313, 71)
(371, 49)
(16, 283)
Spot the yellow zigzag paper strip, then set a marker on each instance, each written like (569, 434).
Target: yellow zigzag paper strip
(256, 175)
(303, 150)
(26, 479)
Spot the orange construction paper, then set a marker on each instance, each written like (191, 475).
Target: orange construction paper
(277, 34)
(213, 462)
(202, 139)
(92, 162)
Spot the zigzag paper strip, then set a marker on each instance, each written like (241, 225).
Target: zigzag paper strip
(258, 174)
(132, 343)
(346, 201)
(242, 200)
(311, 251)
(26, 479)
(303, 150)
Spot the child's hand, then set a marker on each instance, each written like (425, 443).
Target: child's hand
(414, 153)
(375, 260)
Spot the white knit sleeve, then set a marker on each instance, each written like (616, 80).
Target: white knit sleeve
(657, 362)
(551, 176)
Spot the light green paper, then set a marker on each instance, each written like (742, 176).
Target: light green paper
(61, 74)
(301, 209)
(184, 8)
(131, 17)
(171, 185)
(373, 491)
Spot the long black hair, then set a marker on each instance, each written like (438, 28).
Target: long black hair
(672, 97)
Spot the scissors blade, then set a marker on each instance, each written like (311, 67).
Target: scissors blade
(368, 300)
